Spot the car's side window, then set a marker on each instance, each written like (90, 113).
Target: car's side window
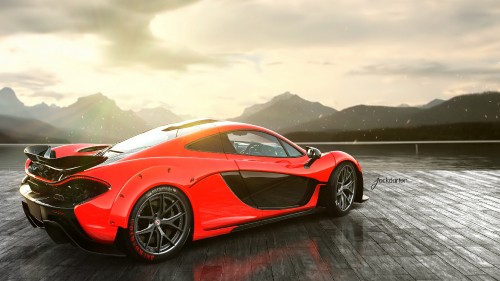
(207, 144)
(292, 151)
(256, 143)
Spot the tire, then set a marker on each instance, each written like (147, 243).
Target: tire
(342, 189)
(153, 235)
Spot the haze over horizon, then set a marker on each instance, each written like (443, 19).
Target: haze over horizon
(213, 58)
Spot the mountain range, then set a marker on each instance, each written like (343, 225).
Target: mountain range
(97, 118)
(283, 111)
(158, 116)
(94, 118)
(471, 108)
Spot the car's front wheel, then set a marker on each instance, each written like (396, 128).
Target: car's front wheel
(159, 225)
(342, 189)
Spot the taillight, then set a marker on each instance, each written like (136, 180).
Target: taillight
(72, 191)
(80, 190)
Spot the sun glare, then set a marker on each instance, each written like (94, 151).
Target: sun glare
(168, 28)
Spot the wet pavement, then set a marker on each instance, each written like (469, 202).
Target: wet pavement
(429, 225)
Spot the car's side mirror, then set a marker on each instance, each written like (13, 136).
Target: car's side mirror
(314, 154)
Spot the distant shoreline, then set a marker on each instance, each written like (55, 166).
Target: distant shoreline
(478, 131)
(396, 142)
(328, 142)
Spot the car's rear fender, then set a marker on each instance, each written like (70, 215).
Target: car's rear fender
(138, 185)
(182, 173)
(101, 216)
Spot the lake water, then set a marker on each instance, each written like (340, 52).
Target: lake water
(430, 156)
(371, 157)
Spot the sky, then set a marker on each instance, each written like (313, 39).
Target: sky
(213, 58)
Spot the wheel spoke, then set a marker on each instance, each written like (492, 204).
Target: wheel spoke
(160, 206)
(145, 217)
(174, 226)
(146, 230)
(350, 174)
(149, 239)
(169, 208)
(339, 187)
(161, 241)
(163, 234)
(170, 221)
(158, 240)
(151, 207)
(344, 200)
(172, 218)
(169, 241)
(349, 186)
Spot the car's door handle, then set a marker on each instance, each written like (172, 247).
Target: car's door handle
(282, 162)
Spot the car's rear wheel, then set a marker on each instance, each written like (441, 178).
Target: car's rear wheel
(342, 189)
(159, 225)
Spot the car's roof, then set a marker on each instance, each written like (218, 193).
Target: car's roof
(231, 125)
(186, 132)
(186, 124)
(208, 126)
(215, 123)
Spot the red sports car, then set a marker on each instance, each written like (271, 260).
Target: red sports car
(150, 194)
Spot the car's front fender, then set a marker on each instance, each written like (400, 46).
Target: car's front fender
(340, 157)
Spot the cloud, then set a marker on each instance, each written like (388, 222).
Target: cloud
(35, 80)
(250, 25)
(123, 24)
(324, 63)
(241, 26)
(471, 87)
(274, 63)
(117, 46)
(426, 68)
(147, 103)
(48, 95)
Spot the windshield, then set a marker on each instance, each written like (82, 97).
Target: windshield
(146, 139)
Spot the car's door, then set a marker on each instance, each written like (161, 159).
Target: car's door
(214, 205)
(270, 175)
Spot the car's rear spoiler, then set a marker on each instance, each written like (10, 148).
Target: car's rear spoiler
(43, 154)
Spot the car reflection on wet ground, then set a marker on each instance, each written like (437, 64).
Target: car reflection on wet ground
(437, 224)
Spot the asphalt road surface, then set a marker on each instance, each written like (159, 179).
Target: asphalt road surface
(430, 225)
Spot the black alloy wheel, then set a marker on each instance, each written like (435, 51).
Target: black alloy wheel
(159, 224)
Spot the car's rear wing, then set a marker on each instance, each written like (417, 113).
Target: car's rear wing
(47, 165)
